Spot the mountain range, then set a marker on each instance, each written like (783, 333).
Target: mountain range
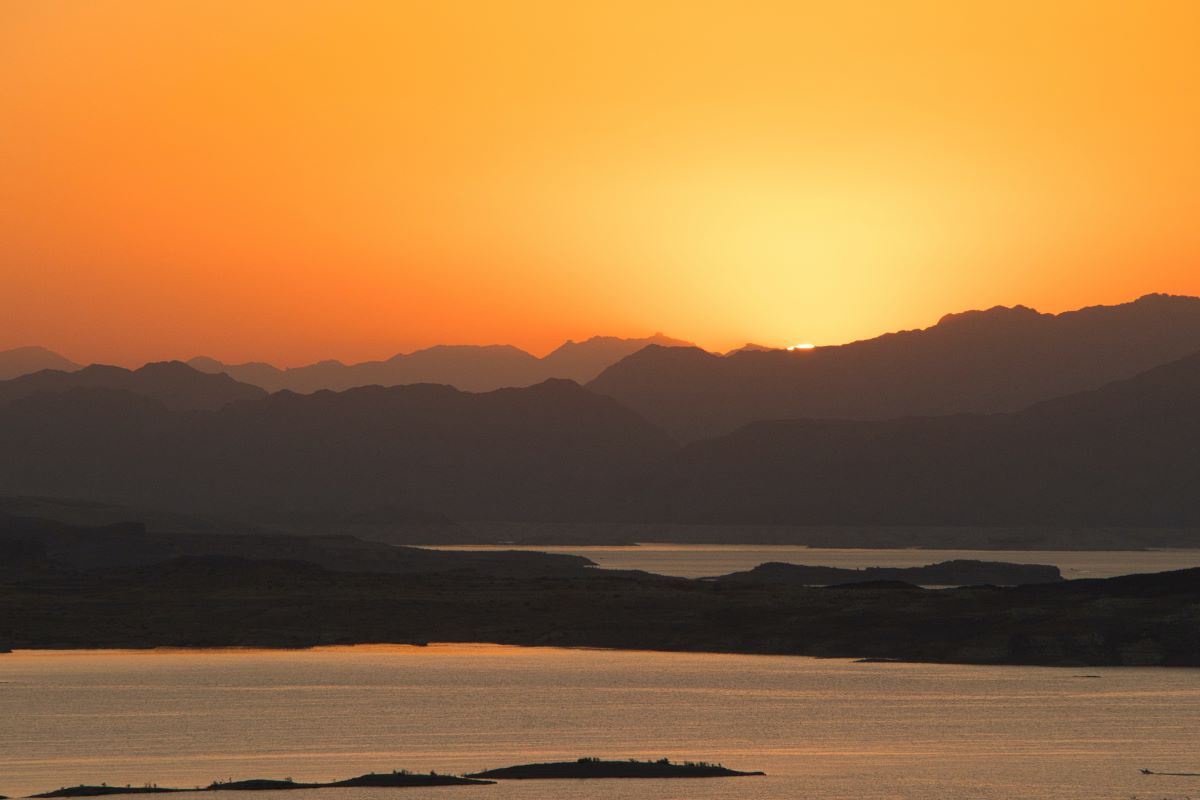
(176, 385)
(1019, 434)
(1127, 454)
(471, 368)
(24, 360)
(999, 360)
(542, 452)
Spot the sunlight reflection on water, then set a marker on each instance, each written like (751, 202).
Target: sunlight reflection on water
(820, 728)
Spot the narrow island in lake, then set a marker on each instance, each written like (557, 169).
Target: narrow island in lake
(104, 789)
(403, 778)
(595, 768)
(397, 779)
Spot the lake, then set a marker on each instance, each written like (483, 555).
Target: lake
(819, 728)
(702, 560)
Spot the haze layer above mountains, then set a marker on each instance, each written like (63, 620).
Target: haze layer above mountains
(1085, 418)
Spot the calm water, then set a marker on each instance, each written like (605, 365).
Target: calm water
(821, 729)
(697, 561)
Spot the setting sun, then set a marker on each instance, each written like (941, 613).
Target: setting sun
(797, 397)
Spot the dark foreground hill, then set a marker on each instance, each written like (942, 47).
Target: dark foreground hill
(213, 601)
(1127, 454)
(1000, 360)
(392, 523)
(31, 546)
(549, 451)
(959, 572)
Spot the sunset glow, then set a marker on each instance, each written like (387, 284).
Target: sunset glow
(291, 180)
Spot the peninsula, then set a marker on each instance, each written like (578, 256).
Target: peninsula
(958, 572)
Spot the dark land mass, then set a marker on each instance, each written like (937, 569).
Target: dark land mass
(1113, 466)
(959, 572)
(919, 537)
(399, 525)
(999, 360)
(104, 790)
(389, 779)
(220, 601)
(546, 452)
(23, 360)
(399, 779)
(595, 768)
(260, 785)
(393, 524)
(31, 546)
(172, 383)
(399, 464)
(471, 368)
(1125, 455)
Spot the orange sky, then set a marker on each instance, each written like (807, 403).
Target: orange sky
(293, 180)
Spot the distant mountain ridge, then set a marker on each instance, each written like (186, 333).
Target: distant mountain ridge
(24, 360)
(172, 383)
(998, 360)
(471, 368)
(1125, 453)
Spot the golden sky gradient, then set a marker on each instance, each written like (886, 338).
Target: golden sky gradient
(292, 180)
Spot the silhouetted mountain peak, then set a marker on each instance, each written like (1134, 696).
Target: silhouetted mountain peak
(177, 370)
(751, 347)
(472, 368)
(459, 351)
(660, 339)
(993, 315)
(26, 360)
(658, 354)
(206, 364)
(562, 388)
(1164, 298)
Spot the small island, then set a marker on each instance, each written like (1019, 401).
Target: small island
(377, 780)
(104, 789)
(596, 768)
(259, 785)
(396, 779)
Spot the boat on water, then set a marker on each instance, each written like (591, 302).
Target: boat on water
(1176, 774)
